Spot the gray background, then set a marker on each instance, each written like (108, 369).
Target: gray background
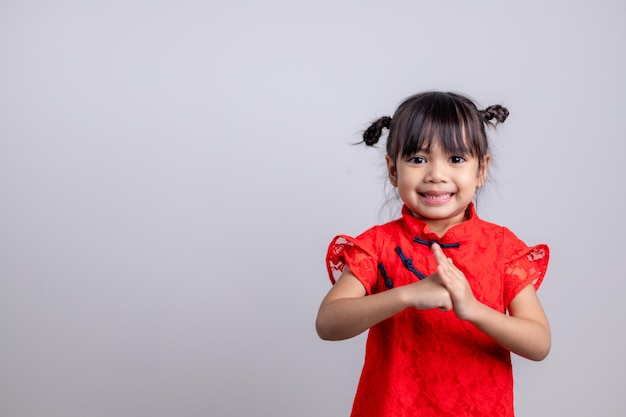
(171, 173)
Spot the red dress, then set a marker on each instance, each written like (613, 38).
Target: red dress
(429, 362)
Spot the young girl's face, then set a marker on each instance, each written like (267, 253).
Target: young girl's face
(437, 186)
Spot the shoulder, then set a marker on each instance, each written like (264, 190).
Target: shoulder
(386, 228)
(375, 239)
(495, 230)
(498, 240)
(370, 240)
(512, 247)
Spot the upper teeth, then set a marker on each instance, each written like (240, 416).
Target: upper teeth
(439, 196)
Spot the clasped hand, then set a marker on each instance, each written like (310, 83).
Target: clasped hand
(447, 289)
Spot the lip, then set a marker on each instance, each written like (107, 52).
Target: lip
(436, 198)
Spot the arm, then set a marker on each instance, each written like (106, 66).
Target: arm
(347, 311)
(525, 331)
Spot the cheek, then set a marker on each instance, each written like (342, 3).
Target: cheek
(404, 188)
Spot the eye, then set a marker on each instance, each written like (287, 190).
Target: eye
(417, 160)
(456, 159)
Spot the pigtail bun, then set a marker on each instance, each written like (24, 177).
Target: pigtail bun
(495, 112)
(372, 134)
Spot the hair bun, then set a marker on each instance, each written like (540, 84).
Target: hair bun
(495, 112)
(372, 134)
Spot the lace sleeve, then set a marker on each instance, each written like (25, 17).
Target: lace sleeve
(357, 255)
(527, 266)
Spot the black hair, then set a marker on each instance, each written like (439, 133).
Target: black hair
(451, 119)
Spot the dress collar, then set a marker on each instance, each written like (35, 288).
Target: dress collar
(420, 229)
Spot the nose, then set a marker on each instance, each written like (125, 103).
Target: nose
(436, 172)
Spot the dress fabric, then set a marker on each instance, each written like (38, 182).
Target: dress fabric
(428, 362)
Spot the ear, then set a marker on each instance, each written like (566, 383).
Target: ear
(482, 171)
(392, 171)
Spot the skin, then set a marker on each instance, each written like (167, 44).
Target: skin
(437, 188)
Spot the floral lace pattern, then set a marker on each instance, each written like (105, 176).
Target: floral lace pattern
(430, 363)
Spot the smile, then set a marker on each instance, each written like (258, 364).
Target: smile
(438, 197)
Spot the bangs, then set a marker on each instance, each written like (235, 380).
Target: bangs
(450, 137)
(440, 120)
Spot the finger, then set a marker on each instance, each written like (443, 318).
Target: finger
(438, 253)
(435, 247)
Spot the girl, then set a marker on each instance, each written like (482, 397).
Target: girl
(445, 295)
